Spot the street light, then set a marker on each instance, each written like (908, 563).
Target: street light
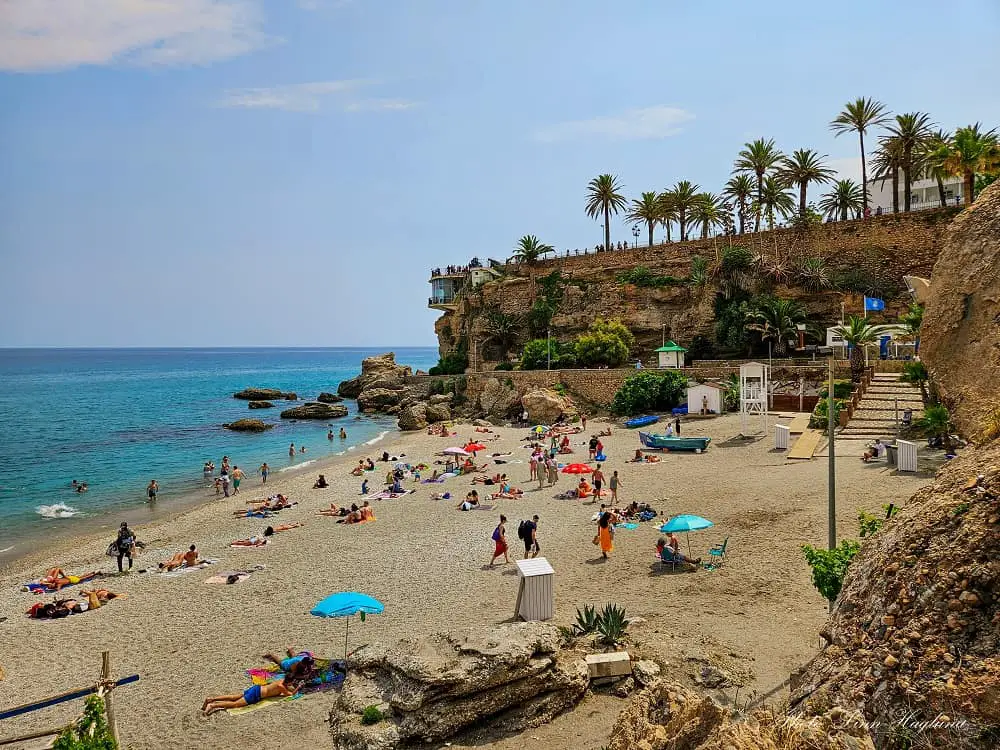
(548, 348)
(635, 234)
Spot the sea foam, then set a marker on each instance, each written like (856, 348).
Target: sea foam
(59, 510)
(378, 438)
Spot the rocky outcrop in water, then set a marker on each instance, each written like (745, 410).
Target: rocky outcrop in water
(264, 394)
(329, 398)
(315, 410)
(260, 405)
(508, 677)
(248, 425)
(380, 386)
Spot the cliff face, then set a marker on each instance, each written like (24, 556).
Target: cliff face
(886, 247)
(960, 336)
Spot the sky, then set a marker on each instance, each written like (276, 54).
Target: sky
(286, 172)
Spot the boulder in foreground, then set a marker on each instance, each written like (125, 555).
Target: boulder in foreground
(544, 406)
(315, 410)
(248, 425)
(264, 394)
(508, 677)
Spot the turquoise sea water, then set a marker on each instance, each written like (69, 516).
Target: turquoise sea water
(116, 418)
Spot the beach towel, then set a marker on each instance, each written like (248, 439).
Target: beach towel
(386, 495)
(245, 546)
(439, 480)
(630, 526)
(483, 507)
(182, 570)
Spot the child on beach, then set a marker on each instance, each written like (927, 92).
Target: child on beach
(264, 471)
(151, 490)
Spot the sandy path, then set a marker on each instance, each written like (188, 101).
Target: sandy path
(425, 561)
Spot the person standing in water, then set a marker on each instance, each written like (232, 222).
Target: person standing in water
(343, 434)
(291, 450)
(151, 490)
(329, 435)
(264, 471)
(237, 477)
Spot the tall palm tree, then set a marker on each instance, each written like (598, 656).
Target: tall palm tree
(776, 320)
(858, 116)
(846, 198)
(888, 163)
(774, 198)
(757, 158)
(668, 210)
(933, 154)
(707, 212)
(648, 210)
(911, 129)
(740, 190)
(972, 151)
(529, 249)
(604, 197)
(857, 334)
(685, 196)
(801, 168)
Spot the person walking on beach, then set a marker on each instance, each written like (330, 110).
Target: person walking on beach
(291, 450)
(592, 446)
(677, 426)
(125, 545)
(605, 534)
(225, 484)
(264, 471)
(530, 536)
(533, 466)
(598, 479)
(583, 420)
(500, 542)
(237, 477)
(225, 465)
(614, 484)
(151, 490)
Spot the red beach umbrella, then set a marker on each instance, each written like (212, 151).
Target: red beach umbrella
(577, 469)
(475, 447)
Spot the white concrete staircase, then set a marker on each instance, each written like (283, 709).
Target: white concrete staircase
(875, 416)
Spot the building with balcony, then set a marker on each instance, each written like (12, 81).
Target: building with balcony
(448, 282)
(923, 194)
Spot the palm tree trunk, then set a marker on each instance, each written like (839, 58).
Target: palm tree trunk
(802, 198)
(941, 196)
(607, 228)
(668, 223)
(907, 178)
(743, 214)
(857, 364)
(895, 190)
(649, 226)
(704, 230)
(760, 198)
(970, 187)
(680, 222)
(864, 175)
(843, 213)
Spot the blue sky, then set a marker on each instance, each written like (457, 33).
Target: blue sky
(265, 172)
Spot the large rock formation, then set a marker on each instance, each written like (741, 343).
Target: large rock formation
(545, 406)
(248, 425)
(960, 335)
(381, 386)
(413, 416)
(499, 401)
(510, 676)
(315, 410)
(264, 394)
(669, 717)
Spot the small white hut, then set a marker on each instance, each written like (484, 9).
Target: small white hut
(671, 355)
(706, 396)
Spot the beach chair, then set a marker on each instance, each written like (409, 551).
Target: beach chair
(666, 557)
(718, 553)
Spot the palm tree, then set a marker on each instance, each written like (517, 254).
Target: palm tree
(857, 334)
(846, 198)
(912, 319)
(801, 168)
(888, 163)
(933, 155)
(604, 197)
(858, 116)
(936, 422)
(972, 151)
(912, 130)
(757, 158)
(684, 195)
(774, 198)
(708, 212)
(501, 328)
(529, 249)
(776, 320)
(740, 190)
(668, 210)
(647, 209)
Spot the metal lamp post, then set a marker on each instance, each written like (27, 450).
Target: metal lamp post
(635, 234)
(548, 348)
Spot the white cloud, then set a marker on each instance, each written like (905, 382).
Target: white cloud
(635, 124)
(379, 105)
(294, 97)
(37, 35)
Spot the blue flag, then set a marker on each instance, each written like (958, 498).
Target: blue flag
(874, 304)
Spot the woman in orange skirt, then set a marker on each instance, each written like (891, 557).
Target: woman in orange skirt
(605, 534)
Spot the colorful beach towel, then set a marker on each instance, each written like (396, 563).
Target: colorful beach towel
(630, 526)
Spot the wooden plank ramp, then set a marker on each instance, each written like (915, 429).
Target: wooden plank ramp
(806, 444)
(799, 424)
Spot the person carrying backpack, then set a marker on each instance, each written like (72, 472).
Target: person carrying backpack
(527, 531)
(500, 540)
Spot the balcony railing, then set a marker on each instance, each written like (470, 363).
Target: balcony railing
(443, 300)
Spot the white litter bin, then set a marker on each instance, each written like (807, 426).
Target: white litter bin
(535, 597)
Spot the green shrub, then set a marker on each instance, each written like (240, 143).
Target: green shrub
(869, 523)
(642, 276)
(649, 391)
(842, 389)
(371, 715)
(586, 620)
(612, 625)
(606, 343)
(89, 732)
(818, 419)
(453, 363)
(829, 566)
(535, 355)
(504, 366)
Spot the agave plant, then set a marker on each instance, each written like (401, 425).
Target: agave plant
(612, 625)
(736, 271)
(586, 620)
(699, 271)
(814, 275)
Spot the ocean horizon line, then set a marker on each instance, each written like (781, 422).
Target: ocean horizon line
(248, 347)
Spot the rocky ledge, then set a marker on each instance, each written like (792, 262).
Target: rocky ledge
(315, 410)
(380, 386)
(264, 394)
(248, 425)
(260, 405)
(508, 677)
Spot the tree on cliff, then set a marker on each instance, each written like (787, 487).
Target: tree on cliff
(529, 249)
(774, 199)
(776, 320)
(604, 198)
(739, 189)
(844, 200)
(648, 210)
(887, 164)
(668, 210)
(683, 196)
(911, 129)
(801, 168)
(857, 117)
(606, 342)
(972, 151)
(757, 158)
(501, 329)
(708, 213)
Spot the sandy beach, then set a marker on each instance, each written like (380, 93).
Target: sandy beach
(426, 561)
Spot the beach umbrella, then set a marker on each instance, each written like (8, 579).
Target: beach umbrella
(454, 451)
(346, 604)
(686, 523)
(539, 429)
(475, 447)
(576, 469)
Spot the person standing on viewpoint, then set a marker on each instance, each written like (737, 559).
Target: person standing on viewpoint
(264, 471)
(500, 542)
(151, 490)
(531, 546)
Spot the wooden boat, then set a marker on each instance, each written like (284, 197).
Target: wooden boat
(662, 442)
(642, 421)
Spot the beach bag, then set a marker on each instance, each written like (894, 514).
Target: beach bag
(496, 534)
(597, 539)
(521, 530)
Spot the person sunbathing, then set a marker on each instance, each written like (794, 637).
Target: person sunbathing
(483, 429)
(508, 493)
(605, 432)
(359, 469)
(320, 483)
(583, 489)
(468, 504)
(483, 479)
(56, 578)
(254, 541)
(99, 597)
(353, 516)
(333, 510)
(669, 550)
(287, 686)
(283, 527)
(186, 559)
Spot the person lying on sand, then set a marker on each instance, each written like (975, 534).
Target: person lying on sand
(333, 510)
(287, 686)
(605, 432)
(56, 578)
(99, 597)
(484, 429)
(254, 541)
(508, 493)
(282, 527)
(182, 559)
(483, 479)
(275, 502)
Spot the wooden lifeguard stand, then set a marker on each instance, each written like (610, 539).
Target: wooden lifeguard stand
(754, 389)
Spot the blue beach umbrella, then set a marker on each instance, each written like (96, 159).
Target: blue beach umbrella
(346, 604)
(686, 523)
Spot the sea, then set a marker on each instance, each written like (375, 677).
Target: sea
(117, 418)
